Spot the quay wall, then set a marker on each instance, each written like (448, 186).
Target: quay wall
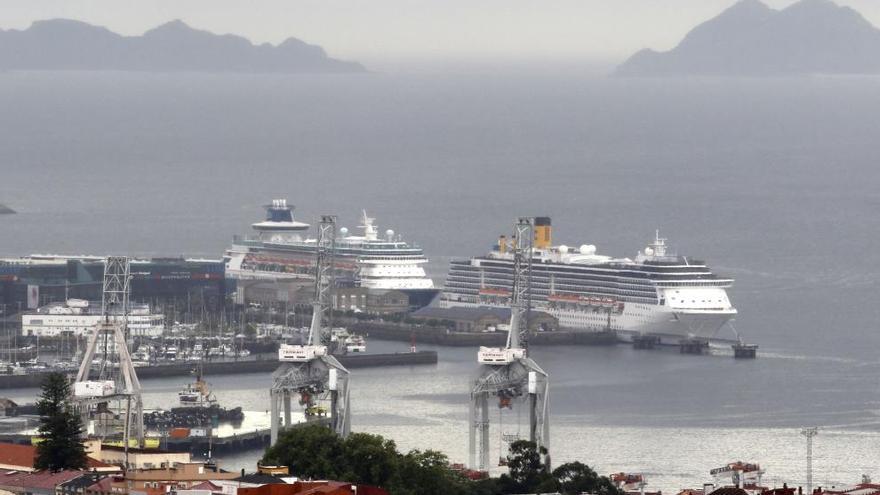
(262, 363)
(443, 336)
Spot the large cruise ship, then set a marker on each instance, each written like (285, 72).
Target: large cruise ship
(657, 293)
(280, 249)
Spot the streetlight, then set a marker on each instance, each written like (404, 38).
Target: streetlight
(810, 433)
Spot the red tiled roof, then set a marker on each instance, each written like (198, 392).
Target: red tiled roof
(23, 456)
(103, 485)
(859, 489)
(45, 480)
(207, 485)
(12, 454)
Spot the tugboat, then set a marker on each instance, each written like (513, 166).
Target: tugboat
(344, 342)
(198, 408)
(197, 394)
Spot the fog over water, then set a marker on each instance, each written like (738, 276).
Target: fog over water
(771, 181)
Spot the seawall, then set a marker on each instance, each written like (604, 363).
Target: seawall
(262, 363)
(443, 336)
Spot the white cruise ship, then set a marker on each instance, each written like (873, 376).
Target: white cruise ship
(657, 293)
(281, 250)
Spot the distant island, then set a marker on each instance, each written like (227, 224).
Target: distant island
(751, 39)
(5, 210)
(62, 44)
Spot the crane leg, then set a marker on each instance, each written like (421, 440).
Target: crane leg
(286, 398)
(273, 410)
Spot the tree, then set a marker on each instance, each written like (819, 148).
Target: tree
(574, 478)
(60, 446)
(428, 473)
(371, 459)
(528, 474)
(311, 452)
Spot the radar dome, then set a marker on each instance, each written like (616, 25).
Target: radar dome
(389, 233)
(649, 251)
(343, 231)
(563, 249)
(587, 249)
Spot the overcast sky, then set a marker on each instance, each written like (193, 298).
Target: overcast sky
(389, 32)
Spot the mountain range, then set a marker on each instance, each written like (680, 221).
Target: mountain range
(63, 44)
(750, 38)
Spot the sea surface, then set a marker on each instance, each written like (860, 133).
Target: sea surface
(773, 181)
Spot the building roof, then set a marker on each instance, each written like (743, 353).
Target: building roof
(729, 490)
(103, 485)
(7, 403)
(207, 485)
(259, 479)
(314, 488)
(84, 481)
(21, 457)
(859, 489)
(40, 480)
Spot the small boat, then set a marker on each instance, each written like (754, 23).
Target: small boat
(355, 343)
(197, 394)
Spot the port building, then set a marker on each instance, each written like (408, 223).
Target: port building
(38, 280)
(78, 317)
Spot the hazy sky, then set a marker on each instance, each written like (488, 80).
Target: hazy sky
(389, 32)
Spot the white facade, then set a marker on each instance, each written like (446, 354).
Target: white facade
(78, 318)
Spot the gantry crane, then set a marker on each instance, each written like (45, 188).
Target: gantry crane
(309, 370)
(106, 373)
(508, 373)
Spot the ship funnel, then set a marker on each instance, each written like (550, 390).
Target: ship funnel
(502, 244)
(543, 233)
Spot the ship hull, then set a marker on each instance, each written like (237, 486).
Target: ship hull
(668, 324)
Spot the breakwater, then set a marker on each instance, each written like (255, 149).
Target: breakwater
(261, 363)
(443, 336)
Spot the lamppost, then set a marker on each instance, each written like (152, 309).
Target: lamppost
(810, 433)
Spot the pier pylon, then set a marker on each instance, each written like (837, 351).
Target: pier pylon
(508, 373)
(308, 370)
(106, 374)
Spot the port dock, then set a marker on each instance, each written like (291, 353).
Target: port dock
(423, 334)
(260, 363)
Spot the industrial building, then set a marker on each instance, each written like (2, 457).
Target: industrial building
(34, 281)
(77, 318)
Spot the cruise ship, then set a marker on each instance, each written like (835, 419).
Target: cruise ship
(657, 293)
(280, 249)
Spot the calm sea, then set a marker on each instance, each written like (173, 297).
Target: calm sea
(773, 182)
